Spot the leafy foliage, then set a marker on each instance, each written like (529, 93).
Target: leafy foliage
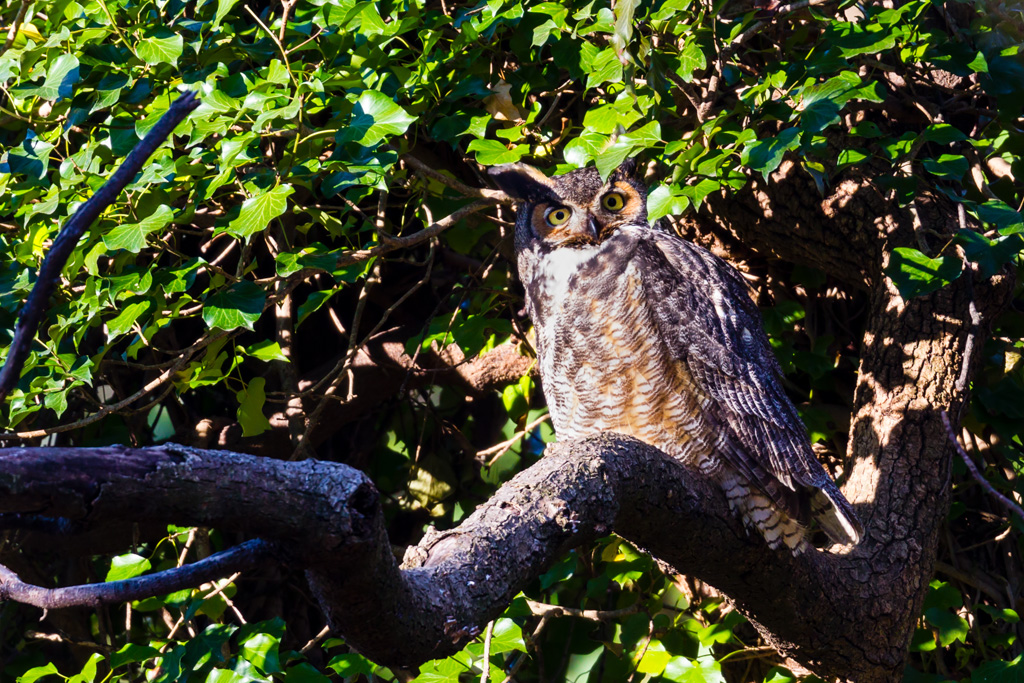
(256, 256)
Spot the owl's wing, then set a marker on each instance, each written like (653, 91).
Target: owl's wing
(708, 320)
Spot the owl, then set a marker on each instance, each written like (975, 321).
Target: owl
(642, 333)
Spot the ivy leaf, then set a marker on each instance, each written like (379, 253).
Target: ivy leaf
(160, 45)
(266, 350)
(507, 636)
(950, 166)
(492, 152)
(127, 567)
(990, 255)
(130, 314)
(261, 649)
(915, 274)
(61, 77)
(223, 8)
(238, 306)
(254, 422)
(1000, 672)
(606, 68)
(951, 627)
(351, 664)
(691, 60)
(132, 236)
(766, 155)
(375, 117)
(257, 212)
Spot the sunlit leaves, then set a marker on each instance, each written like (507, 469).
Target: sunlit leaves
(132, 236)
(127, 567)
(160, 45)
(250, 408)
(766, 154)
(376, 117)
(240, 305)
(916, 274)
(257, 212)
(61, 76)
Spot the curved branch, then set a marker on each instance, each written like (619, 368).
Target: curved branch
(245, 556)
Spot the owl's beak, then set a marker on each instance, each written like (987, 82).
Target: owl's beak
(593, 226)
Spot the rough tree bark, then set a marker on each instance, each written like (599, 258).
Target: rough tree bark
(845, 616)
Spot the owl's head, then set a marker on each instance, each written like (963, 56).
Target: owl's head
(574, 209)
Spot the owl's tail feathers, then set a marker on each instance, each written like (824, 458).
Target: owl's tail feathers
(835, 514)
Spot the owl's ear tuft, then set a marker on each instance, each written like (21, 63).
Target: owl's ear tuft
(627, 169)
(523, 182)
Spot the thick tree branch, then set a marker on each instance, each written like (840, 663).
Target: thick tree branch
(453, 583)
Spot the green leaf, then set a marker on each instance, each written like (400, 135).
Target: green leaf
(35, 673)
(160, 45)
(766, 155)
(691, 60)
(61, 77)
(915, 274)
(266, 350)
(653, 658)
(351, 664)
(88, 672)
(127, 567)
(951, 166)
(1000, 672)
(990, 255)
(623, 27)
(665, 201)
(257, 212)
(606, 68)
(129, 315)
(440, 671)
(951, 627)
(132, 236)
(254, 422)
(261, 649)
(238, 306)
(132, 652)
(492, 152)
(223, 8)
(304, 672)
(507, 636)
(376, 117)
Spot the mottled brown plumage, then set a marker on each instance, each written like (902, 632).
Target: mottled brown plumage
(642, 333)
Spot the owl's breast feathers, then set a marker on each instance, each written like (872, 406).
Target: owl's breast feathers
(654, 337)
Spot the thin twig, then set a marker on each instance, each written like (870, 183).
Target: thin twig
(280, 47)
(486, 666)
(466, 190)
(500, 448)
(545, 610)
(973, 469)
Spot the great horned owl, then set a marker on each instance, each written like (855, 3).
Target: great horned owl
(641, 333)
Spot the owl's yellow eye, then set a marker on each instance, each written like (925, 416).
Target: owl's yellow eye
(613, 201)
(557, 215)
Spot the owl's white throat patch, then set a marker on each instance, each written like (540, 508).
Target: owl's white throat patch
(557, 267)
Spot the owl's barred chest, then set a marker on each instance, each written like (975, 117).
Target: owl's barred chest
(603, 364)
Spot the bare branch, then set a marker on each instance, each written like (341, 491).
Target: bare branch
(978, 476)
(245, 556)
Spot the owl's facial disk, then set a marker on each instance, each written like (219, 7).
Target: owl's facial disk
(560, 225)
